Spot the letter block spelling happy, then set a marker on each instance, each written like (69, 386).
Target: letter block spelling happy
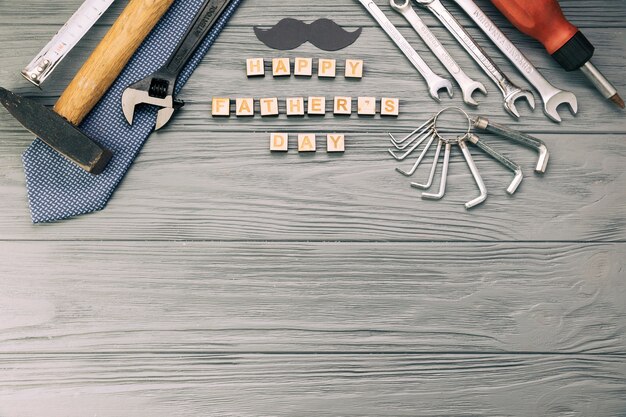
(255, 67)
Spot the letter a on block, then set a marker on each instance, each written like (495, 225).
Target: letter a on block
(354, 68)
(244, 107)
(306, 143)
(335, 143)
(303, 67)
(255, 67)
(327, 68)
(389, 106)
(279, 142)
(220, 107)
(281, 67)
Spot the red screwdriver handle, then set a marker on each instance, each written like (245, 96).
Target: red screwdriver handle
(544, 21)
(541, 19)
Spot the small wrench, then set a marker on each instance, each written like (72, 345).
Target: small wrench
(510, 91)
(158, 88)
(468, 86)
(435, 82)
(552, 97)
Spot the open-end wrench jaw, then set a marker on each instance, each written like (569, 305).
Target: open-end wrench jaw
(513, 96)
(158, 90)
(436, 85)
(552, 103)
(469, 90)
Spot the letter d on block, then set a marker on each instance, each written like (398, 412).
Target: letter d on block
(279, 142)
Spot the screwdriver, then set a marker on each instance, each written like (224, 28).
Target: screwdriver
(544, 21)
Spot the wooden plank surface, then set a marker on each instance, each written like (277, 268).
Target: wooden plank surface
(224, 280)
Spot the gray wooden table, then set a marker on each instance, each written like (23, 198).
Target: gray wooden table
(224, 280)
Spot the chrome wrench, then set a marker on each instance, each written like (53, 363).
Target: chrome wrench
(510, 91)
(552, 97)
(468, 86)
(435, 82)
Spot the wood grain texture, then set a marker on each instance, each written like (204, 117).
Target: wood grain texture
(243, 385)
(225, 280)
(228, 186)
(313, 297)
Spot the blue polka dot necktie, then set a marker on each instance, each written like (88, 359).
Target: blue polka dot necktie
(58, 189)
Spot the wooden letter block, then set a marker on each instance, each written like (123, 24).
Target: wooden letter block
(281, 67)
(244, 107)
(327, 68)
(335, 143)
(269, 106)
(255, 67)
(295, 106)
(279, 142)
(303, 67)
(343, 105)
(317, 105)
(367, 106)
(306, 143)
(354, 68)
(220, 107)
(389, 106)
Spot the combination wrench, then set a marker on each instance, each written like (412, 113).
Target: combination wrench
(435, 82)
(552, 97)
(510, 91)
(468, 86)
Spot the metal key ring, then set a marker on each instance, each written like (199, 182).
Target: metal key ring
(458, 138)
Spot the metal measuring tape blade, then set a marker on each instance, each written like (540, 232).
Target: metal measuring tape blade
(65, 40)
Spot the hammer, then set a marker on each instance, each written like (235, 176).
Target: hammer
(58, 128)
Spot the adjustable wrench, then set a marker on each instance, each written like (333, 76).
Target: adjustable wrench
(552, 97)
(435, 82)
(468, 86)
(158, 89)
(510, 91)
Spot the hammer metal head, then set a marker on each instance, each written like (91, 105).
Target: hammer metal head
(56, 132)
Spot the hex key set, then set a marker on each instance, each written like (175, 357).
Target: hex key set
(429, 132)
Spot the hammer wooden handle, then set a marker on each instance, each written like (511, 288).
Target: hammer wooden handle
(109, 58)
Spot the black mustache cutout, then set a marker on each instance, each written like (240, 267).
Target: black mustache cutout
(323, 33)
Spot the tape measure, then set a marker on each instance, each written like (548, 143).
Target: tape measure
(65, 40)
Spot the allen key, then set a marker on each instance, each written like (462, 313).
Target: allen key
(503, 160)
(419, 160)
(433, 169)
(483, 123)
(430, 130)
(408, 143)
(411, 149)
(479, 180)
